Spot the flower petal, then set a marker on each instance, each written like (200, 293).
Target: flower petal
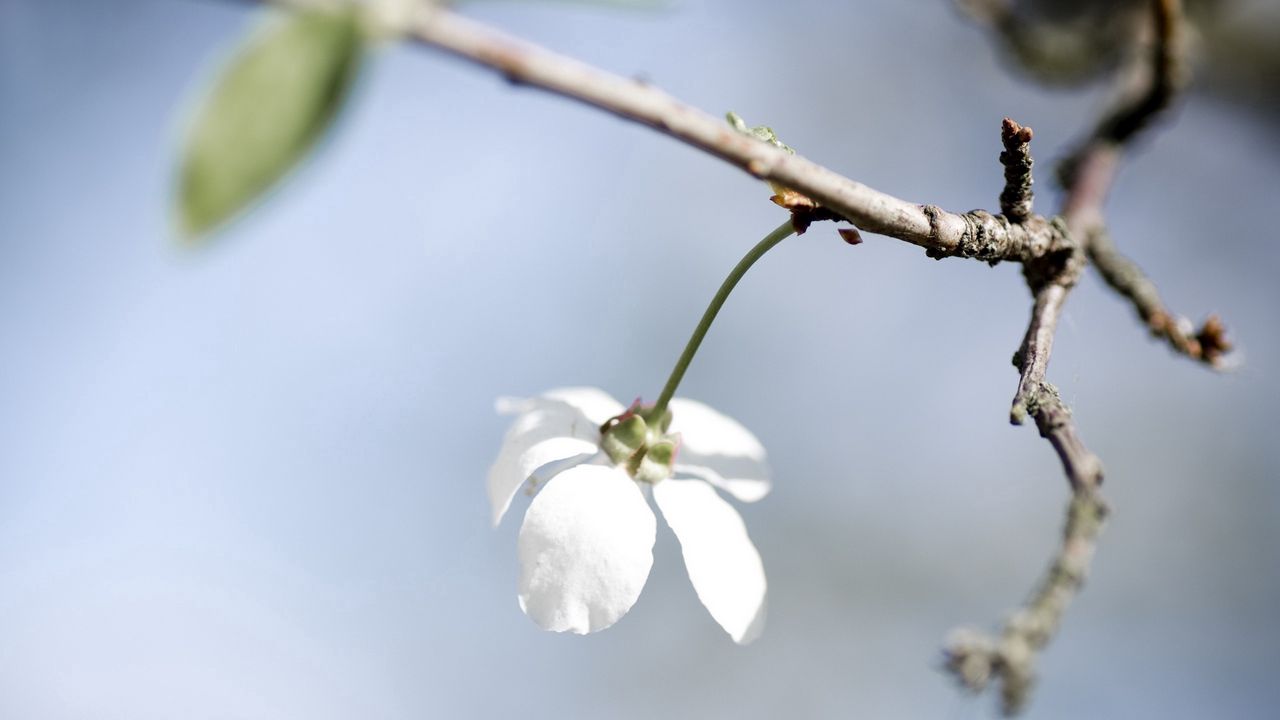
(718, 449)
(536, 438)
(586, 547)
(723, 564)
(561, 424)
(593, 404)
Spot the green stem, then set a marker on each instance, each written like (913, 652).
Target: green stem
(783, 231)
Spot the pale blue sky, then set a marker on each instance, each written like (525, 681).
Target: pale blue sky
(248, 482)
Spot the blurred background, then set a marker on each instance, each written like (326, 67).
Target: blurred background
(248, 481)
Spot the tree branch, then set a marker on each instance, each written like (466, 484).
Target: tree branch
(974, 658)
(1053, 253)
(976, 234)
(1165, 77)
(1208, 344)
(1161, 78)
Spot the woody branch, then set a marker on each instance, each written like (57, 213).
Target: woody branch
(977, 659)
(1053, 252)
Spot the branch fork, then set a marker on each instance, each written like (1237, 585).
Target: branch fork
(1054, 252)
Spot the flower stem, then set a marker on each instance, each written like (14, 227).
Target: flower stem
(782, 232)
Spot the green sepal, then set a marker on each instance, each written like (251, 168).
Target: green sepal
(657, 463)
(621, 440)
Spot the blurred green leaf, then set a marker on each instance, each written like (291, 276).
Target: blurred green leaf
(277, 95)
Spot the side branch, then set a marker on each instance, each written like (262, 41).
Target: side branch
(1032, 357)
(1015, 201)
(1163, 76)
(976, 234)
(1158, 80)
(1038, 398)
(1208, 344)
(1166, 77)
(977, 659)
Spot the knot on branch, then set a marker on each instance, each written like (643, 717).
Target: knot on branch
(993, 238)
(1037, 400)
(1015, 199)
(1061, 260)
(1042, 401)
(983, 234)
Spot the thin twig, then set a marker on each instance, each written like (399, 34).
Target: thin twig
(1208, 344)
(1165, 78)
(1015, 200)
(975, 234)
(1052, 48)
(1162, 77)
(977, 659)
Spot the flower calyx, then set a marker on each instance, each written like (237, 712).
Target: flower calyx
(637, 441)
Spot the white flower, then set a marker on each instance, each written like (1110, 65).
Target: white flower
(586, 545)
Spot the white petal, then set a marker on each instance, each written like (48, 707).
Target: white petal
(718, 449)
(723, 564)
(536, 438)
(561, 424)
(593, 404)
(586, 547)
